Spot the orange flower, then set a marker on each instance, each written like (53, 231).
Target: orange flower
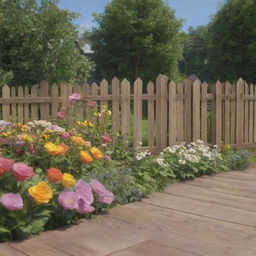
(41, 192)
(86, 157)
(78, 140)
(63, 149)
(54, 175)
(97, 154)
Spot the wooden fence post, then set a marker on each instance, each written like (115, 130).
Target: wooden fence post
(137, 120)
(44, 107)
(188, 111)
(20, 106)
(204, 113)
(251, 109)
(14, 106)
(180, 113)
(161, 112)
(227, 126)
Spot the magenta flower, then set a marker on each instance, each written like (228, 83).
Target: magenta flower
(12, 201)
(65, 135)
(92, 104)
(69, 200)
(83, 207)
(105, 139)
(104, 195)
(74, 97)
(22, 171)
(5, 165)
(85, 191)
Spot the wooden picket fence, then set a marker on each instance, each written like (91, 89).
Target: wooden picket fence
(167, 113)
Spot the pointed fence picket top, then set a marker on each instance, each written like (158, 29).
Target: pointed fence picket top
(160, 114)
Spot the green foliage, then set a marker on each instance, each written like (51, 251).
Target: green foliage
(232, 37)
(236, 159)
(195, 53)
(137, 38)
(38, 42)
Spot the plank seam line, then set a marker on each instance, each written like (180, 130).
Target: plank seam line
(19, 250)
(57, 248)
(224, 192)
(216, 191)
(203, 216)
(233, 179)
(157, 242)
(204, 200)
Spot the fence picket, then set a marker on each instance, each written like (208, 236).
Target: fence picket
(55, 100)
(34, 106)
(26, 106)
(14, 106)
(239, 112)
(227, 88)
(6, 94)
(204, 114)
(161, 111)
(246, 113)
(125, 107)
(44, 107)
(251, 110)
(180, 113)
(233, 115)
(115, 105)
(196, 110)
(137, 114)
(151, 116)
(187, 111)
(20, 106)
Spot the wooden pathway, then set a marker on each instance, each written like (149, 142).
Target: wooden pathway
(210, 216)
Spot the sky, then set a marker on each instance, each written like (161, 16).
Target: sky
(195, 12)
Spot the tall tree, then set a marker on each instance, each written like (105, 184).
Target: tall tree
(195, 52)
(137, 38)
(38, 42)
(232, 37)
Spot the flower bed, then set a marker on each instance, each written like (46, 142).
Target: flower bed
(52, 175)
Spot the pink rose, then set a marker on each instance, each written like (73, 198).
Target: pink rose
(108, 158)
(61, 114)
(65, 135)
(74, 97)
(92, 104)
(105, 139)
(5, 165)
(22, 171)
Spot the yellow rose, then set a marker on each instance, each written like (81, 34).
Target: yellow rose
(108, 113)
(97, 154)
(78, 140)
(68, 180)
(41, 192)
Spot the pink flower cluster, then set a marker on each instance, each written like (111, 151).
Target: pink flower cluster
(20, 170)
(81, 198)
(74, 97)
(61, 113)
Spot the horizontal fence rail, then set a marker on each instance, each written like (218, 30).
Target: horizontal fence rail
(154, 115)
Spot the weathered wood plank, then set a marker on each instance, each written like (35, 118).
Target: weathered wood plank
(239, 113)
(204, 113)
(180, 114)
(125, 107)
(172, 113)
(151, 116)
(6, 93)
(115, 105)
(196, 110)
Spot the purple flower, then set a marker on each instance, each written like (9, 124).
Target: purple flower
(12, 201)
(69, 200)
(104, 195)
(74, 97)
(107, 197)
(85, 191)
(61, 114)
(92, 104)
(108, 158)
(105, 139)
(83, 207)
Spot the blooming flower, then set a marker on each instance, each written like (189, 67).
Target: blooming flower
(83, 207)
(61, 113)
(54, 175)
(5, 165)
(22, 171)
(108, 158)
(65, 135)
(92, 104)
(78, 140)
(104, 195)
(74, 97)
(97, 154)
(41, 192)
(12, 201)
(68, 180)
(54, 149)
(69, 200)
(85, 157)
(105, 139)
(85, 190)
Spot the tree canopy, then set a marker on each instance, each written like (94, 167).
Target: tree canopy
(38, 42)
(137, 38)
(232, 41)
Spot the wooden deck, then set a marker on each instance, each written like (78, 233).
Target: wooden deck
(207, 216)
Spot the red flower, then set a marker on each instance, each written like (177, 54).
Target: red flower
(54, 175)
